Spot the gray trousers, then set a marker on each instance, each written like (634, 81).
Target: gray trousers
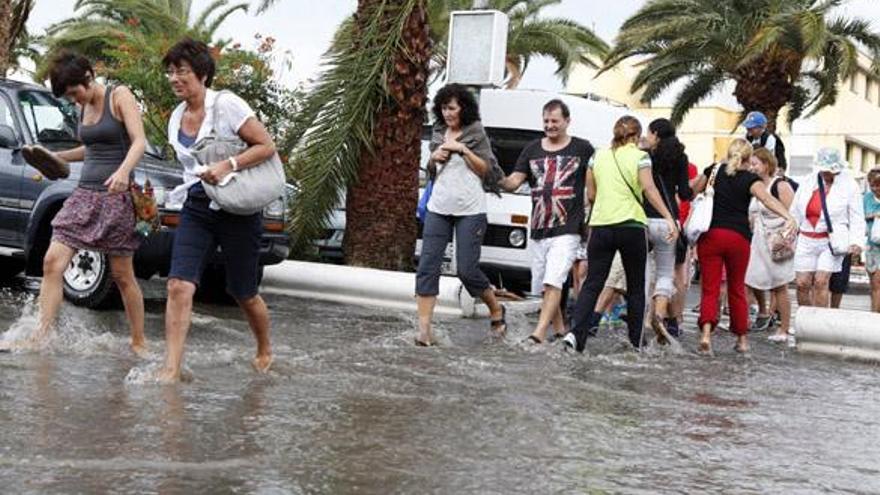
(437, 232)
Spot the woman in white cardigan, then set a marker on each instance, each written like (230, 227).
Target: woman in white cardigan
(814, 259)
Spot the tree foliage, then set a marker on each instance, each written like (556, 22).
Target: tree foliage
(127, 40)
(339, 114)
(777, 52)
(566, 41)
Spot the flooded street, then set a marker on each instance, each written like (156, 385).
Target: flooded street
(352, 406)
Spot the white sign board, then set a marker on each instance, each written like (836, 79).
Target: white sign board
(477, 47)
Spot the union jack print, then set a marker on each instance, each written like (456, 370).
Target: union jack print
(555, 177)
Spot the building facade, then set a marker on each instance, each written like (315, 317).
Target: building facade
(852, 124)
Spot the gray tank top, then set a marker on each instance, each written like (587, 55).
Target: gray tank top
(106, 144)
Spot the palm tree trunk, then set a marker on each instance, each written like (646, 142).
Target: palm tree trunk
(5, 33)
(380, 208)
(766, 86)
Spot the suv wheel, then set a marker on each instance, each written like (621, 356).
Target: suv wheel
(87, 281)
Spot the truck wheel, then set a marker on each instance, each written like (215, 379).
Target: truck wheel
(87, 281)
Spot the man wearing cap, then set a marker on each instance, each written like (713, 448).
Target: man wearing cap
(830, 214)
(758, 135)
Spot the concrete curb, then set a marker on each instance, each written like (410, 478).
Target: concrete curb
(374, 288)
(838, 332)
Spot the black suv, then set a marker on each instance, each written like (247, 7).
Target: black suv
(29, 114)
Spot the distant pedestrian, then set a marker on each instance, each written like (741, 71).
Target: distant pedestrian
(765, 273)
(829, 197)
(872, 256)
(461, 156)
(725, 247)
(99, 215)
(555, 167)
(618, 180)
(759, 136)
(670, 170)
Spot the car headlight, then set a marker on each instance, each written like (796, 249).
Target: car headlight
(275, 209)
(517, 238)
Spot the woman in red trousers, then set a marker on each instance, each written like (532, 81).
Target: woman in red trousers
(728, 242)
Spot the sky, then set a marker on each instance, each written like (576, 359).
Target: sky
(305, 27)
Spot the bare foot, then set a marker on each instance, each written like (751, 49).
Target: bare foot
(262, 363)
(742, 344)
(6, 345)
(37, 341)
(706, 340)
(167, 376)
(425, 339)
(140, 349)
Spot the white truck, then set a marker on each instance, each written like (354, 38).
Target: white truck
(513, 118)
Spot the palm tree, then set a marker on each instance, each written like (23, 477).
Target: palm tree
(776, 52)
(103, 24)
(360, 131)
(567, 42)
(13, 33)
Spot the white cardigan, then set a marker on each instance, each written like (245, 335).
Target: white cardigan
(845, 207)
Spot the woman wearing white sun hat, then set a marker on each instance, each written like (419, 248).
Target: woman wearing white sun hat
(829, 210)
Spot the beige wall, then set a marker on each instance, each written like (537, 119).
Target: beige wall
(851, 125)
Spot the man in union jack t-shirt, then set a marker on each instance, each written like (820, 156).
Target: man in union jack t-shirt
(555, 167)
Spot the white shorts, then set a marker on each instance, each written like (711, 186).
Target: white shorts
(814, 255)
(552, 259)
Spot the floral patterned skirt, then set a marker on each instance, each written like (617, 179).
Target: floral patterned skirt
(98, 221)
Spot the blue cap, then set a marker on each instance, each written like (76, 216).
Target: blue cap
(755, 119)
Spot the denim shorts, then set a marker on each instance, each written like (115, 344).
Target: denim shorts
(202, 229)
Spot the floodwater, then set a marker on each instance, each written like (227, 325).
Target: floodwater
(351, 406)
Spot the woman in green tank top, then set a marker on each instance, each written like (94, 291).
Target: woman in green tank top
(617, 180)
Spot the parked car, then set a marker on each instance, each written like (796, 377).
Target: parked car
(29, 114)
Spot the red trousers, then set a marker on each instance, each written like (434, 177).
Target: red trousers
(724, 250)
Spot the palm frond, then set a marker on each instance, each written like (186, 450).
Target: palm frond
(337, 117)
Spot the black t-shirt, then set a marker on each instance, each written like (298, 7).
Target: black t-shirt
(732, 198)
(557, 181)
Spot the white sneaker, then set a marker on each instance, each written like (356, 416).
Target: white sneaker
(569, 340)
(778, 338)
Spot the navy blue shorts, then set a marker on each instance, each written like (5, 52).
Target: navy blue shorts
(202, 229)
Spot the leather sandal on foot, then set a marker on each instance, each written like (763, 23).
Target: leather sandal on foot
(499, 326)
(531, 339)
(419, 343)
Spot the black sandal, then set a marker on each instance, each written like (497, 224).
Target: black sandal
(500, 323)
(534, 340)
(419, 343)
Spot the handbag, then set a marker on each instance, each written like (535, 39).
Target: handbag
(838, 240)
(146, 211)
(422, 208)
(246, 191)
(780, 241)
(700, 219)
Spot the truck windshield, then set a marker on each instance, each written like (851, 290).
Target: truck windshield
(49, 119)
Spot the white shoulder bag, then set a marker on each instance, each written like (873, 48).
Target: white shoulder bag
(700, 218)
(246, 191)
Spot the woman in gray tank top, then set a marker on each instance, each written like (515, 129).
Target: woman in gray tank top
(99, 215)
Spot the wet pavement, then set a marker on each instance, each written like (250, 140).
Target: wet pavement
(351, 406)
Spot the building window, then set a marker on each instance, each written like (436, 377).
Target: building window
(852, 82)
(869, 89)
(849, 152)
